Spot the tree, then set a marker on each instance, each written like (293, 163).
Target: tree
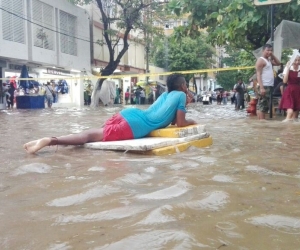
(119, 18)
(227, 79)
(237, 22)
(179, 53)
(237, 58)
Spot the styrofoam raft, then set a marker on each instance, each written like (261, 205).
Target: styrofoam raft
(143, 144)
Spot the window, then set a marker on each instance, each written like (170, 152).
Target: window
(13, 24)
(169, 25)
(68, 26)
(43, 15)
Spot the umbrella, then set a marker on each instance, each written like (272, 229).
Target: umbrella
(24, 83)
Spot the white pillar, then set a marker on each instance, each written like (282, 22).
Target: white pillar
(198, 85)
(80, 90)
(77, 89)
(201, 82)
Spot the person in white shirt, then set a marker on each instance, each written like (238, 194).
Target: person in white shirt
(265, 78)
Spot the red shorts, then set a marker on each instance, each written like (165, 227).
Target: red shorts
(116, 129)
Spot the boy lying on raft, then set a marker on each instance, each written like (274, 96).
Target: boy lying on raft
(131, 123)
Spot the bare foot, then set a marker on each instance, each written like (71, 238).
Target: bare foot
(34, 146)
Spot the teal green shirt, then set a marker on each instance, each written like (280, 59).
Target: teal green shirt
(159, 115)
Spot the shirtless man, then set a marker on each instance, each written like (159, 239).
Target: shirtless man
(265, 78)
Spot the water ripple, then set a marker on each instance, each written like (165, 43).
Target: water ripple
(223, 178)
(157, 216)
(60, 246)
(76, 199)
(171, 192)
(99, 169)
(284, 224)
(264, 171)
(214, 201)
(133, 178)
(40, 168)
(113, 214)
(156, 239)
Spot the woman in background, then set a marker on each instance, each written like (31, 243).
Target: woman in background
(291, 96)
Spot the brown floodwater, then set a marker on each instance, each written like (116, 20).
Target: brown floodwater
(243, 192)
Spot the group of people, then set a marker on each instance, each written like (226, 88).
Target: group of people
(51, 90)
(8, 92)
(138, 96)
(222, 97)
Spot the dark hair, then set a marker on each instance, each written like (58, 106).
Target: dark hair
(267, 45)
(174, 81)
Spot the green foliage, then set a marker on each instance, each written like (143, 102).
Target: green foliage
(80, 2)
(227, 79)
(237, 22)
(285, 57)
(179, 52)
(237, 58)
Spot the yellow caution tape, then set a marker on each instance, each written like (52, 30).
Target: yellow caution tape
(138, 75)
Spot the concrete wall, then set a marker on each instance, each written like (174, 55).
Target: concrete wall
(162, 79)
(55, 57)
(13, 49)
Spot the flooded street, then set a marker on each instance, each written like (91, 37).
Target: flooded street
(243, 192)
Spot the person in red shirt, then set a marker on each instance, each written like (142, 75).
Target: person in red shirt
(127, 94)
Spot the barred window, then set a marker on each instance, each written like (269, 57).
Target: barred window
(68, 24)
(13, 24)
(43, 15)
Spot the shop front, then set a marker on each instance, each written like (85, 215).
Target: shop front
(67, 84)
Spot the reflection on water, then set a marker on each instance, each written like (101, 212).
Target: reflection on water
(241, 193)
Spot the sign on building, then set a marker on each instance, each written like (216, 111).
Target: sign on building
(266, 2)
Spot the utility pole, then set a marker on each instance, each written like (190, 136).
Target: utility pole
(272, 43)
(147, 48)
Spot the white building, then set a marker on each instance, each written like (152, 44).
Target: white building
(50, 37)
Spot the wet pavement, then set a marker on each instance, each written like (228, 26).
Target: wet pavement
(243, 192)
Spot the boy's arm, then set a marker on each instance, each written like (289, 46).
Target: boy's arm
(181, 121)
